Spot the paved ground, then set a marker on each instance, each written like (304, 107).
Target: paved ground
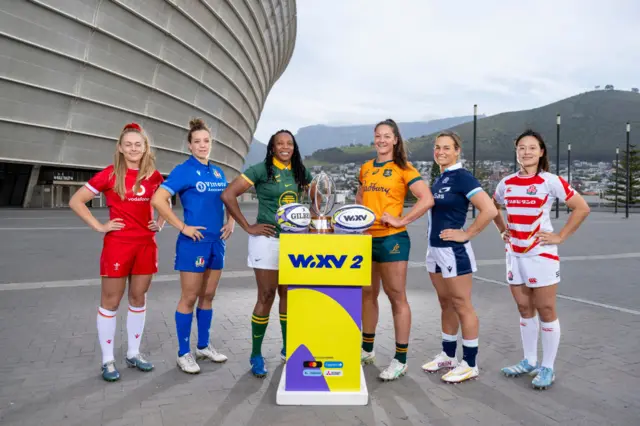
(50, 369)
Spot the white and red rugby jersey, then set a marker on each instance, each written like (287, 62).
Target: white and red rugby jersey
(528, 201)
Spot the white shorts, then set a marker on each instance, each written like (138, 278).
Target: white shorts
(534, 271)
(263, 252)
(451, 261)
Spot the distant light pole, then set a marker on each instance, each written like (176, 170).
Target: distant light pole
(628, 197)
(568, 168)
(558, 160)
(615, 209)
(515, 160)
(475, 124)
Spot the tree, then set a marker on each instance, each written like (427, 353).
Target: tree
(618, 189)
(635, 90)
(435, 172)
(608, 87)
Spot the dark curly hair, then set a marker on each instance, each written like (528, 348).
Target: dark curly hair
(299, 171)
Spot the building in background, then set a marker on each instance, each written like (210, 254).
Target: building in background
(73, 72)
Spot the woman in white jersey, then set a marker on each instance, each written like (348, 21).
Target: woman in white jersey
(533, 265)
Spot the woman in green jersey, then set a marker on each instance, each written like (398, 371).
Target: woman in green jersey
(277, 180)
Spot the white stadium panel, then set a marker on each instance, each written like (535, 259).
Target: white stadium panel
(73, 72)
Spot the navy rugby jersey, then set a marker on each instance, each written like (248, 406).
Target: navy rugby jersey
(199, 187)
(451, 192)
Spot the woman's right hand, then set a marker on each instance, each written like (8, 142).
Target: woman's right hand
(506, 235)
(113, 225)
(262, 229)
(193, 232)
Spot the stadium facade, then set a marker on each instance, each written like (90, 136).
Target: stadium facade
(73, 72)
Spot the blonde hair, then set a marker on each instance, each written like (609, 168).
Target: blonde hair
(457, 140)
(147, 162)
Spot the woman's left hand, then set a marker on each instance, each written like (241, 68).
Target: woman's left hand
(227, 230)
(391, 220)
(549, 238)
(457, 235)
(153, 225)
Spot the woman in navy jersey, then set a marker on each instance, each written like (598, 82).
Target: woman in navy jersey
(130, 249)
(450, 259)
(533, 265)
(200, 248)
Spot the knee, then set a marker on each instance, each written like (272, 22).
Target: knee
(266, 297)
(209, 294)
(526, 310)
(547, 312)
(461, 305)
(188, 299)
(110, 304)
(137, 299)
(446, 303)
(369, 294)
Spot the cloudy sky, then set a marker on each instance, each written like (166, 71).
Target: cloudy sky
(360, 61)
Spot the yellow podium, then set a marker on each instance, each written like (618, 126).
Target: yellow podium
(325, 274)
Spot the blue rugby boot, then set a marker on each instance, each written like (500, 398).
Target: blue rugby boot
(110, 372)
(258, 368)
(523, 367)
(139, 362)
(544, 379)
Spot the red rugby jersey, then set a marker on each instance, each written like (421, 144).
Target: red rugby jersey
(135, 210)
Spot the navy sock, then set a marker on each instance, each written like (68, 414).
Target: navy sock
(183, 331)
(367, 341)
(204, 317)
(449, 348)
(469, 354)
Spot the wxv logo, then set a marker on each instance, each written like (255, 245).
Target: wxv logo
(328, 261)
(354, 217)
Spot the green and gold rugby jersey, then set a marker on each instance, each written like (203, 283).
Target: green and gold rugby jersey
(282, 189)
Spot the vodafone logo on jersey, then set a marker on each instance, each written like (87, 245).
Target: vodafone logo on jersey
(140, 195)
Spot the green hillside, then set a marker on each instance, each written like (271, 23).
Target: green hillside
(593, 122)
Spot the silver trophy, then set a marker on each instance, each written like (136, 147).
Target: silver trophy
(322, 197)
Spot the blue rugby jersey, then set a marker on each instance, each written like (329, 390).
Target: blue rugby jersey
(452, 191)
(199, 187)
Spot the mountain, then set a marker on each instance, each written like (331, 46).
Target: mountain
(256, 154)
(312, 138)
(593, 122)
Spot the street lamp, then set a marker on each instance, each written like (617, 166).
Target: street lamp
(515, 160)
(558, 159)
(615, 208)
(568, 168)
(626, 207)
(475, 124)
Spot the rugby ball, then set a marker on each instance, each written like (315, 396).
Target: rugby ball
(353, 218)
(293, 217)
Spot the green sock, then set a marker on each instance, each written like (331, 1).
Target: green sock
(283, 325)
(401, 352)
(367, 341)
(258, 328)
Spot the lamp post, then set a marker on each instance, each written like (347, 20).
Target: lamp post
(568, 168)
(515, 159)
(615, 208)
(475, 124)
(558, 160)
(627, 198)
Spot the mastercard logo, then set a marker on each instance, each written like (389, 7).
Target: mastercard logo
(312, 364)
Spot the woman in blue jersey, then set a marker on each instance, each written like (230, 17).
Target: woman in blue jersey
(450, 260)
(200, 247)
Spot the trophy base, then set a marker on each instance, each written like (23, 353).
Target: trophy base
(321, 225)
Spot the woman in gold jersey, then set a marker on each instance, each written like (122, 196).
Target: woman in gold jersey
(384, 182)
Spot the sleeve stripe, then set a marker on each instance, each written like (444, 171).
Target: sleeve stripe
(169, 190)
(473, 192)
(414, 180)
(247, 179)
(91, 188)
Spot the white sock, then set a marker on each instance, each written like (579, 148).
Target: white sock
(529, 331)
(550, 342)
(106, 322)
(135, 327)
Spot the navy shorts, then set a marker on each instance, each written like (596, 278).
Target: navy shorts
(192, 256)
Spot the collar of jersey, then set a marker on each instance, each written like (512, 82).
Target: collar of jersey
(197, 163)
(454, 167)
(281, 166)
(376, 164)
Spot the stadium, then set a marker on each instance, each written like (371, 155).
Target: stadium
(73, 72)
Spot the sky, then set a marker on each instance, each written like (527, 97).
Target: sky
(361, 61)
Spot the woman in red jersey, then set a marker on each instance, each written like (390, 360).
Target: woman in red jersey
(533, 265)
(129, 249)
